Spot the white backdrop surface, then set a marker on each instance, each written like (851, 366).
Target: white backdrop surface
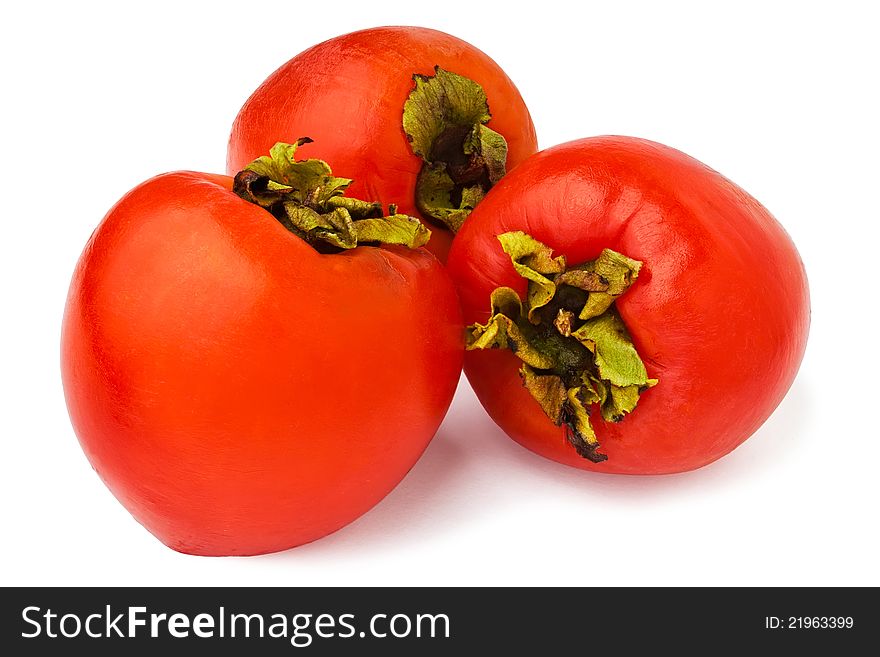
(780, 97)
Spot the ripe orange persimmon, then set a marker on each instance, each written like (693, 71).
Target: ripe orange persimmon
(412, 114)
(658, 313)
(239, 389)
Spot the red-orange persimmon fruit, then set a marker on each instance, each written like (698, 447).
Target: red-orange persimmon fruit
(251, 364)
(417, 117)
(634, 311)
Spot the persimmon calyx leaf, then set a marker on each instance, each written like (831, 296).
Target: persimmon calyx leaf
(308, 200)
(576, 350)
(444, 119)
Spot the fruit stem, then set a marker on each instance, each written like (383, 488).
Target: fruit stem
(575, 348)
(308, 200)
(444, 119)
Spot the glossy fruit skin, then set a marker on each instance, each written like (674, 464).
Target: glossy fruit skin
(720, 311)
(348, 94)
(239, 392)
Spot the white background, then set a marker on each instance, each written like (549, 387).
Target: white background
(781, 98)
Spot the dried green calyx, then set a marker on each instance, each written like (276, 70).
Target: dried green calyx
(309, 201)
(575, 349)
(444, 119)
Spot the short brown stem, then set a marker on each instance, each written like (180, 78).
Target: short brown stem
(575, 348)
(444, 119)
(308, 200)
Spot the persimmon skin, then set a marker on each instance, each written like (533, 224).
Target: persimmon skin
(720, 311)
(348, 94)
(239, 392)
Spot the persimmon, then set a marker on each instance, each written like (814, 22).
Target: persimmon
(631, 310)
(252, 363)
(417, 117)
